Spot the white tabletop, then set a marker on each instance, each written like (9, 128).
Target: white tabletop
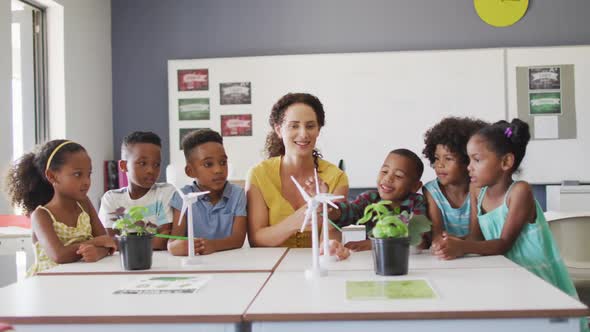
(237, 260)
(90, 299)
(300, 259)
(462, 293)
(14, 232)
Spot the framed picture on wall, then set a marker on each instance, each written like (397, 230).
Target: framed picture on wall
(544, 78)
(183, 132)
(236, 125)
(193, 79)
(235, 93)
(193, 109)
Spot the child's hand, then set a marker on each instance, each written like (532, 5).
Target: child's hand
(359, 245)
(448, 247)
(310, 188)
(90, 253)
(104, 241)
(336, 249)
(165, 229)
(204, 246)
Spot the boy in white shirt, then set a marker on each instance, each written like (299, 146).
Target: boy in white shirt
(140, 159)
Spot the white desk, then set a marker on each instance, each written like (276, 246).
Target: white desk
(237, 260)
(12, 240)
(300, 259)
(88, 303)
(487, 299)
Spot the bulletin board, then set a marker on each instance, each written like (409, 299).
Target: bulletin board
(559, 149)
(374, 102)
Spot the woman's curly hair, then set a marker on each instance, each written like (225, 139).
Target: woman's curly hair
(274, 145)
(26, 184)
(453, 133)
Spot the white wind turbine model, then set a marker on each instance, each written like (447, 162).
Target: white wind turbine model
(187, 201)
(312, 205)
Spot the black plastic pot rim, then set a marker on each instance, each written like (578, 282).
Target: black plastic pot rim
(134, 235)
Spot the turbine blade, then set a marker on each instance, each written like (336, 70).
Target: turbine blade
(317, 183)
(305, 219)
(332, 204)
(182, 211)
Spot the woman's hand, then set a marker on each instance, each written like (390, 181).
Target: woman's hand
(336, 249)
(310, 187)
(359, 245)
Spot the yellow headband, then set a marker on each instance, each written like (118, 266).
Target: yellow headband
(54, 152)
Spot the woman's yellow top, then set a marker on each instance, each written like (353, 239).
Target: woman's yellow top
(266, 177)
(67, 235)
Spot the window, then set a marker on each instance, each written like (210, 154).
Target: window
(29, 88)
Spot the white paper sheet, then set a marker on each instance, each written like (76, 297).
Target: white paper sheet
(546, 127)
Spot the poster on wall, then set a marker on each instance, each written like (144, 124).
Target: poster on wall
(545, 103)
(183, 132)
(544, 78)
(193, 109)
(236, 125)
(193, 79)
(235, 93)
(546, 100)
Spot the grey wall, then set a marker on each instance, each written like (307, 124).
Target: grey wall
(146, 33)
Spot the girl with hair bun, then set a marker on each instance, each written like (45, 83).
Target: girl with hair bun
(506, 218)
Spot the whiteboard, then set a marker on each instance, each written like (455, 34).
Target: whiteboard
(374, 102)
(552, 161)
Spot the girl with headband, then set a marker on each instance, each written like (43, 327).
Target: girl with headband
(51, 185)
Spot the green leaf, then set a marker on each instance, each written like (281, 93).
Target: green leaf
(417, 226)
(137, 212)
(381, 209)
(378, 233)
(134, 222)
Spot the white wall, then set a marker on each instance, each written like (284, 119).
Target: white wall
(89, 117)
(5, 96)
(88, 92)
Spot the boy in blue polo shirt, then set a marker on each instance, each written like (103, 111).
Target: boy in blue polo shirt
(220, 216)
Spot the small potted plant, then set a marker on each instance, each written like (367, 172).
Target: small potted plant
(135, 239)
(392, 235)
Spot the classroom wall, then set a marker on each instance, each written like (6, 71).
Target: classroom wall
(146, 33)
(88, 81)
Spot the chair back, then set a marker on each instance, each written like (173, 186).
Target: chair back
(572, 235)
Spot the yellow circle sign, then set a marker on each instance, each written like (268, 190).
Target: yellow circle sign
(501, 13)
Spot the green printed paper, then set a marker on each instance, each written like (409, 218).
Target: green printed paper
(545, 103)
(389, 290)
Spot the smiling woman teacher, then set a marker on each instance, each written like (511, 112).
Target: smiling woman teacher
(275, 206)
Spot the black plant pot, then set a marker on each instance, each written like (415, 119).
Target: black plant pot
(136, 252)
(391, 255)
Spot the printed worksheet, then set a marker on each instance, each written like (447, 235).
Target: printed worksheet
(165, 285)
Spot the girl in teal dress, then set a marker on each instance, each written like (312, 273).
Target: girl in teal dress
(507, 220)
